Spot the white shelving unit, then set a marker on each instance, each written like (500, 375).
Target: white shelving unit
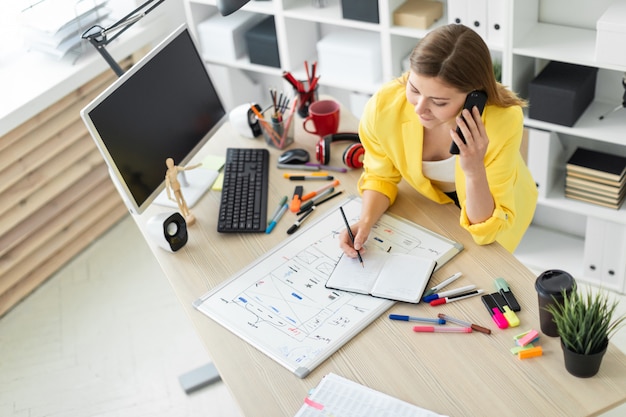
(534, 32)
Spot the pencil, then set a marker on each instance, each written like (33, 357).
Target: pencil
(345, 219)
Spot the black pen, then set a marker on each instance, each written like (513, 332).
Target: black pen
(345, 219)
(311, 178)
(315, 203)
(298, 222)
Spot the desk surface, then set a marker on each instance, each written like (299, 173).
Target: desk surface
(454, 374)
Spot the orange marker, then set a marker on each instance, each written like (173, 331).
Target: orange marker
(316, 192)
(296, 200)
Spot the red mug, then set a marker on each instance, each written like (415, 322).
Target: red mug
(324, 115)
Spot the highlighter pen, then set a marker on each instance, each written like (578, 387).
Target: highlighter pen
(311, 178)
(441, 329)
(475, 327)
(298, 222)
(272, 224)
(329, 168)
(296, 199)
(412, 318)
(508, 314)
(313, 174)
(312, 194)
(443, 284)
(448, 293)
(494, 311)
(453, 298)
(503, 288)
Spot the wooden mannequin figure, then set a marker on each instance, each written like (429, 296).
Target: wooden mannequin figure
(172, 185)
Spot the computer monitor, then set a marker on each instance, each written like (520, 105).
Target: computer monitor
(164, 106)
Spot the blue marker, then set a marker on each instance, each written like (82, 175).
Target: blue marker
(411, 318)
(276, 218)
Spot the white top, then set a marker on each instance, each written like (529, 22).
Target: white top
(441, 173)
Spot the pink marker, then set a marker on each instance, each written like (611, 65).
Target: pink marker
(441, 329)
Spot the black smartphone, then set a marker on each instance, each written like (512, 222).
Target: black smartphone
(475, 98)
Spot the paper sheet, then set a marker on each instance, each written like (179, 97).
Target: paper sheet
(337, 396)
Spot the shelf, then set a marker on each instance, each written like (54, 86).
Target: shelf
(611, 129)
(542, 249)
(562, 43)
(556, 199)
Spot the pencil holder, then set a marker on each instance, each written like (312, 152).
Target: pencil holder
(277, 133)
(305, 98)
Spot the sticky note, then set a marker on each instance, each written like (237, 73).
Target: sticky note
(529, 337)
(530, 353)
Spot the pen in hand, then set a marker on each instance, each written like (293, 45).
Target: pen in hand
(345, 219)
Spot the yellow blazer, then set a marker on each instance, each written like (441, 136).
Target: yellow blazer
(392, 136)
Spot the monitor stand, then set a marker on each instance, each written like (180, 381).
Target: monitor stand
(194, 183)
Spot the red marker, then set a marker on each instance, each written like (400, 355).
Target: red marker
(447, 300)
(441, 329)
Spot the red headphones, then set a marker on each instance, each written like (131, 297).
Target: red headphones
(352, 156)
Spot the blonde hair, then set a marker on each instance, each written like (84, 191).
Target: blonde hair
(458, 56)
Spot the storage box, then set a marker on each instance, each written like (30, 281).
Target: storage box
(350, 57)
(561, 92)
(262, 43)
(418, 14)
(364, 10)
(222, 37)
(611, 35)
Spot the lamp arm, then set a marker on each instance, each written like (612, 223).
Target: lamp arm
(97, 36)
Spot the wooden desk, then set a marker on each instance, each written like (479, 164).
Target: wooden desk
(453, 374)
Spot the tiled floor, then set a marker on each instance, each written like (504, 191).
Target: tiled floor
(106, 337)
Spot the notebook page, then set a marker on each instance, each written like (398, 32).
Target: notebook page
(340, 397)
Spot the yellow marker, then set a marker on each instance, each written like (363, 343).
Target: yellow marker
(510, 316)
(530, 353)
(313, 174)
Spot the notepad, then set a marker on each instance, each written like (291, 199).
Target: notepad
(339, 396)
(395, 276)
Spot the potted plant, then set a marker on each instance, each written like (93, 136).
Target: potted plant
(585, 323)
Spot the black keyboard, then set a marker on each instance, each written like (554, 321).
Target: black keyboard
(243, 207)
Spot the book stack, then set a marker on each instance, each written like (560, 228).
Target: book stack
(55, 26)
(596, 177)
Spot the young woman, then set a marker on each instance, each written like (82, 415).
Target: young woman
(407, 128)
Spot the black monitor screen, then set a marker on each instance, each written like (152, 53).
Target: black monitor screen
(165, 106)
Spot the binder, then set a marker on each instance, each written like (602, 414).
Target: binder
(545, 154)
(496, 26)
(477, 17)
(457, 12)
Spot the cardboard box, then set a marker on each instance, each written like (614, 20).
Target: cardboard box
(418, 14)
(263, 44)
(222, 37)
(611, 34)
(350, 56)
(363, 10)
(561, 93)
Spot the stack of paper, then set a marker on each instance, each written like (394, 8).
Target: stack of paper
(55, 26)
(596, 177)
(341, 397)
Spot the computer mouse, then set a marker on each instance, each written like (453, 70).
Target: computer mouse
(294, 156)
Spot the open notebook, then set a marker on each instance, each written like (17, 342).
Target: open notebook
(396, 276)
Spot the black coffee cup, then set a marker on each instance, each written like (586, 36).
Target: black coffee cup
(550, 285)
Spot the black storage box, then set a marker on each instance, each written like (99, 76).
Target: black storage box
(262, 43)
(561, 93)
(364, 10)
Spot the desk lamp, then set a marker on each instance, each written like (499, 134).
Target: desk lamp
(97, 35)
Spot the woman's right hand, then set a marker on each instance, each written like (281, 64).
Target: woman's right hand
(361, 233)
